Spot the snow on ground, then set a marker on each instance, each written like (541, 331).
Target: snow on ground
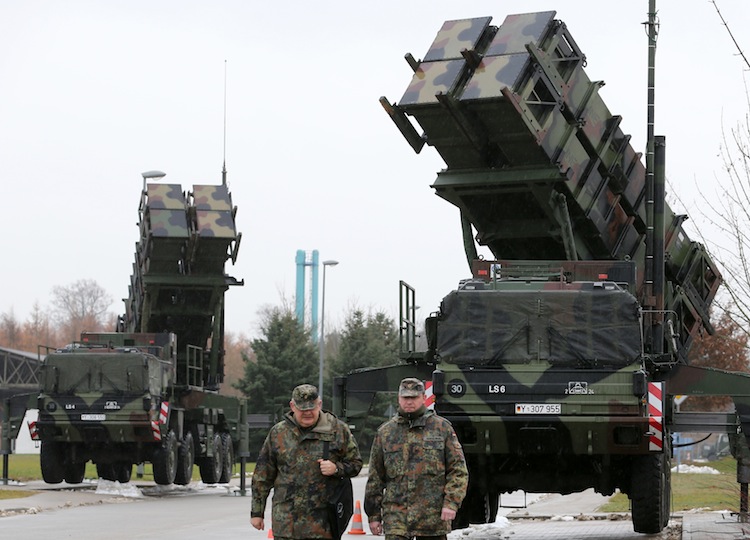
(485, 530)
(107, 487)
(693, 469)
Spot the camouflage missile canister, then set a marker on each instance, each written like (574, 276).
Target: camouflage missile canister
(178, 279)
(536, 163)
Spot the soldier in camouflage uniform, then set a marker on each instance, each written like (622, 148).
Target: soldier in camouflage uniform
(291, 462)
(418, 474)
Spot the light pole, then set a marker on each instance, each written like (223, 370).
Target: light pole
(321, 344)
(152, 175)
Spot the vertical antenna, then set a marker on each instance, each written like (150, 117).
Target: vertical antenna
(224, 166)
(652, 27)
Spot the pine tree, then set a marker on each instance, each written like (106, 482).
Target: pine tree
(367, 341)
(284, 358)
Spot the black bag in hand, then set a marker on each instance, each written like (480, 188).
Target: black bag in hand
(340, 501)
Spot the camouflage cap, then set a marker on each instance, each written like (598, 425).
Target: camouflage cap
(305, 397)
(410, 387)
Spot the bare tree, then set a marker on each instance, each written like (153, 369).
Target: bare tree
(81, 306)
(37, 329)
(10, 330)
(731, 215)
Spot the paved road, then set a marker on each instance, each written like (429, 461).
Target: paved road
(145, 511)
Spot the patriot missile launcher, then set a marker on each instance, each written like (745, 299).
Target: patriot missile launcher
(149, 392)
(557, 361)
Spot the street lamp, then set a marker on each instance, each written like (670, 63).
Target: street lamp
(321, 344)
(152, 175)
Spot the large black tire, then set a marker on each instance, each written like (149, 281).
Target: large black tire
(123, 471)
(212, 467)
(227, 458)
(164, 461)
(185, 460)
(650, 495)
(52, 462)
(477, 507)
(106, 471)
(75, 471)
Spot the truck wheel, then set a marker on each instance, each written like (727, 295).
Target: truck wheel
(650, 495)
(106, 471)
(74, 472)
(227, 458)
(164, 462)
(51, 462)
(211, 467)
(185, 461)
(478, 507)
(123, 472)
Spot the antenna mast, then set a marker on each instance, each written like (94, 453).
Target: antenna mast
(224, 166)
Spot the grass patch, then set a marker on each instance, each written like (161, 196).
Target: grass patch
(25, 468)
(690, 490)
(15, 493)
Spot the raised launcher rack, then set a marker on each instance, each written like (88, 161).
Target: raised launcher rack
(533, 154)
(178, 281)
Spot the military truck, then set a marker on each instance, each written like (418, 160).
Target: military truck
(149, 392)
(556, 358)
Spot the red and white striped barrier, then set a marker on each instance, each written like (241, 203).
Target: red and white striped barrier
(429, 400)
(163, 418)
(656, 416)
(33, 431)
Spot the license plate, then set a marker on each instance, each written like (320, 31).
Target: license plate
(538, 408)
(93, 417)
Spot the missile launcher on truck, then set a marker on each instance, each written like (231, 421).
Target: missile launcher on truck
(556, 361)
(149, 392)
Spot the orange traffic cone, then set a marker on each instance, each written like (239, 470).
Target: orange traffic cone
(357, 521)
(270, 533)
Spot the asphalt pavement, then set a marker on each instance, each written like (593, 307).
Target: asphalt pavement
(549, 516)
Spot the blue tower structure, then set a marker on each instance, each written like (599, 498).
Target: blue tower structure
(303, 260)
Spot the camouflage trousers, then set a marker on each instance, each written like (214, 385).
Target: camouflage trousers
(394, 537)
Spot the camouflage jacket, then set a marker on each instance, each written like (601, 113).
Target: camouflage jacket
(288, 463)
(417, 467)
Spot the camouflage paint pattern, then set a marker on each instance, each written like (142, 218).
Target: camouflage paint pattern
(168, 223)
(431, 79)
(209, 197)
(165, 197)
(102, 399)
(134, 395)
(455, 36)
(493, 74)
(521, 125)
(288, 465)
(179, 278)
(215, 224)
(519, 30)
(417, 467)
(546, 361)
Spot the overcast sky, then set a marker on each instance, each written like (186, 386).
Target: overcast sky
(93, 93)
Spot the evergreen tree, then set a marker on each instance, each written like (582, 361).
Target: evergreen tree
(284, 358)
(367, 341)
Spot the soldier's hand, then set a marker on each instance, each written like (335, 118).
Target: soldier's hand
(257, 522)
(446, 514)
(327, 467)
(376, 527)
